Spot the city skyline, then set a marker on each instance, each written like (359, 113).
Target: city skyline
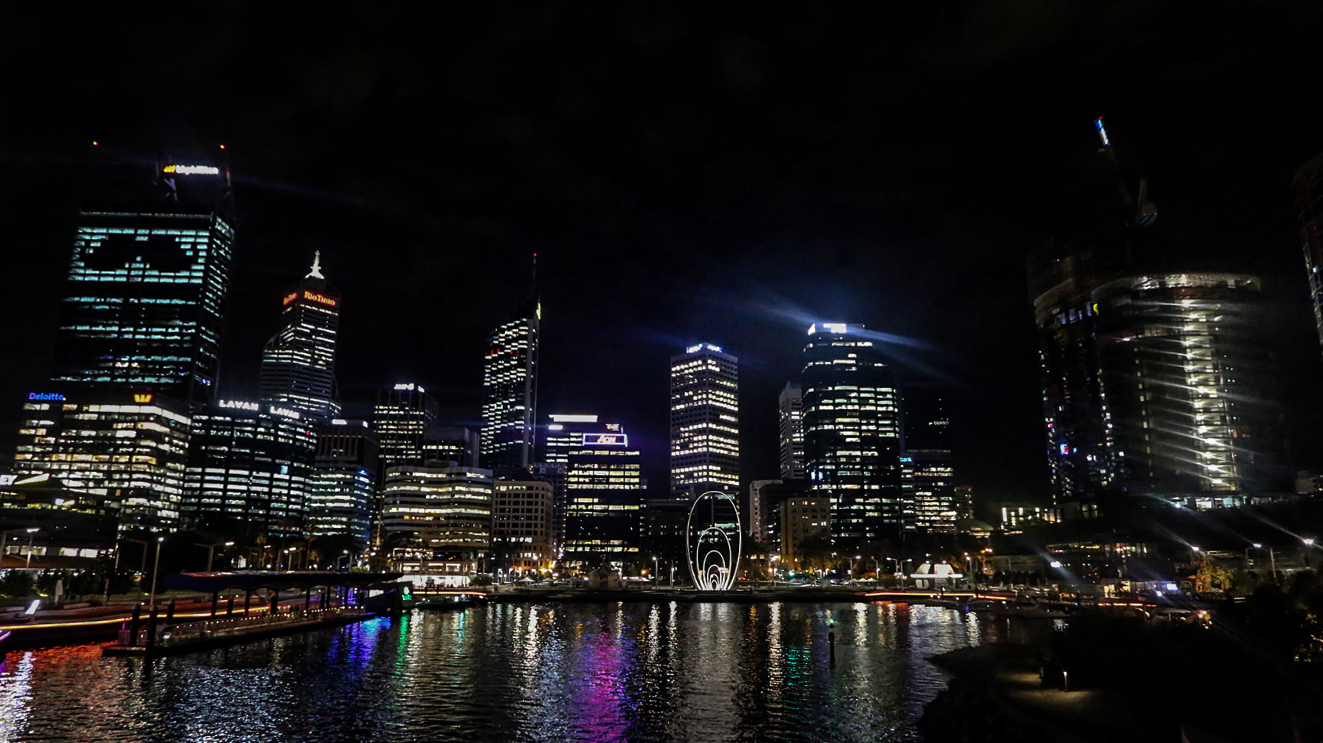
(878, 211)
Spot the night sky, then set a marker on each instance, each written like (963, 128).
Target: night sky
(723, 174)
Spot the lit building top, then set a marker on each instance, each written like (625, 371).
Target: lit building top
(705, 421)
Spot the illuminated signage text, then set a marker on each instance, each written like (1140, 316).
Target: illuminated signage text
(605, 439)
(239, 405)
(319, 298)
(192, 169)
(291, 297)
(142, 398)
(45, 396)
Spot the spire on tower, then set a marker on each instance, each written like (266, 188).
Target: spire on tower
(316, 272)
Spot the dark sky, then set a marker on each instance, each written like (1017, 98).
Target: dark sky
(724, 174)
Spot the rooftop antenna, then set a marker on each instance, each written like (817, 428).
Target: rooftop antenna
(316, 272)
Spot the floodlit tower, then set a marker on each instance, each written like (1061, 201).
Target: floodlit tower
(852, 433)
(705, 422)
(791, 431)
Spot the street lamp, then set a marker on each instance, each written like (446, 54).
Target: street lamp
(656, 580)
(4, 536)
(37, 529)
(211, 550)
(344, 555)
(155, 569)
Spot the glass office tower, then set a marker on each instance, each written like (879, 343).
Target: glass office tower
(298, 363)
(509, 387)
(705, 422)
(852, 434)
(148, 277)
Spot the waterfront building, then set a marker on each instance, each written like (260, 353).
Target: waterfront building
(790, 431)
(852, 434)
(927, 476)
(509, 387)
(250, 468)
(147, 280)
(400, 419)
(1154, 376)
(770, 497)
(521, 526)
(129, 448)
(451, 444)
(298, 363)
(664, 537)
(69, 523)
(565, 433)
(1183, 368)
(437, 519)
(604, 500)
(344, 480)
(705, 422)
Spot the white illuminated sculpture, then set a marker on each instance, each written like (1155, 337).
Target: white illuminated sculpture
(713, 544)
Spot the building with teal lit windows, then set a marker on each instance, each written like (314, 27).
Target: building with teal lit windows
(344, 480)
(852, 434)
(148, 278)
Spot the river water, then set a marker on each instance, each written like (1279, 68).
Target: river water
(572, 672)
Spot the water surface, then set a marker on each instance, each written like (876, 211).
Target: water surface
(572, 672)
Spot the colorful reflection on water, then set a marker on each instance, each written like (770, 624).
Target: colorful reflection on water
(571, 672)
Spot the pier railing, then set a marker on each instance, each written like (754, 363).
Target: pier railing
(188, 632)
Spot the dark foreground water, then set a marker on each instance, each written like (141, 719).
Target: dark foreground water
(574, 672)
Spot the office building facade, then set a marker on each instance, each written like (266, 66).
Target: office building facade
(298, 363)
(521, 527)
(790, 431)
(444, 516)
(852, 434)
(705, 422)
(451, 444)
(927, 475)
(130, 448)
(509, 387)
(1309, 205)
(250, 469)
(604, 500)
(344, 480)
(147, 280)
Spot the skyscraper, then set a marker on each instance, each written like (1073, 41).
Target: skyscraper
(927, 477)
(1309, 202)
(344, 480)
(852, 433)
(451, 444)
(1154, 376)
(791, 431)
(604, 499)
(249, 469)
(150, 269)
(509, 387)
(401, 418)
(705, 422)
(298, 363)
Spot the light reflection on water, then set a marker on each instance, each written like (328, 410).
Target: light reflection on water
(572, 672)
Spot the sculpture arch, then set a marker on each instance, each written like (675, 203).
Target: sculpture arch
(713, 541)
